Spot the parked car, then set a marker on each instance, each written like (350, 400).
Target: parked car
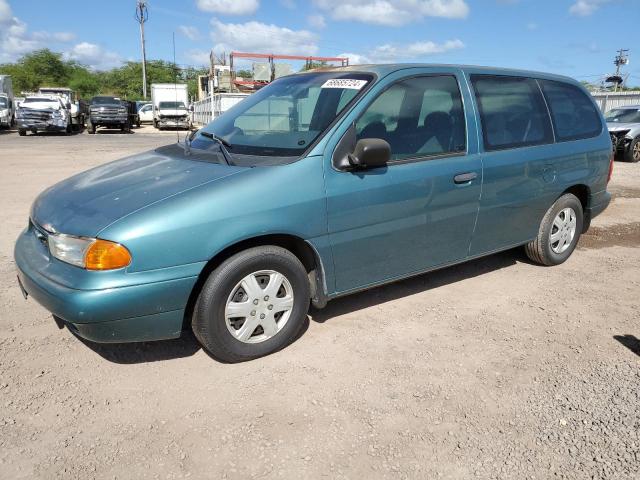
(106, 111)
(146, 113)
(319, 185)
(7, 102)
(46, 113)
(76, 106)
(624, 127)
(169, 102)
(132, 109)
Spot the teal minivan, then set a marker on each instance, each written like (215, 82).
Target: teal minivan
(319, 185)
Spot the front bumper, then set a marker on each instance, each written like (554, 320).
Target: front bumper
(175, 123)
(109, 120)
(131, 313)
(44, 126)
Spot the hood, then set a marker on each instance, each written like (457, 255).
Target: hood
(86, 203)
(617, 126)
(173, 111)
(50, 106)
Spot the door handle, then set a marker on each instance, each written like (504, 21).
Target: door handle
(465, 177)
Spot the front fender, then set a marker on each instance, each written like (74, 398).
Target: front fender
(194, 226)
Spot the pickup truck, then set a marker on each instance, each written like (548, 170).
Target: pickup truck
(7, 102)
(105, 111)
(46, 113)
(77, 107)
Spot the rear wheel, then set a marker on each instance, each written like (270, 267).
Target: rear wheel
(559, 232)
(252, 305)
(632, 154)
(22, 132)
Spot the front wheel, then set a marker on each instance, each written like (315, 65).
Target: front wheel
(91, 128)
(632, 154)
(252, 305)
(559, 232)
(22, 132)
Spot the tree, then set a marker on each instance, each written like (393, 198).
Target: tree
(38, 69)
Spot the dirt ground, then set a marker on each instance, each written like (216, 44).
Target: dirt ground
(492, 369)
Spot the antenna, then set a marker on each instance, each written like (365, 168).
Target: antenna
(142, 15)
(175, 80)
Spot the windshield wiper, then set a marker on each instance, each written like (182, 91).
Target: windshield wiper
(223, 145)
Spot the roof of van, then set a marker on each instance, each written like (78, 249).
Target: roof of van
(384, 69)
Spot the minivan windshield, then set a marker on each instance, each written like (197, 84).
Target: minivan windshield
(623, 115)
(284, 118)
(171, 105)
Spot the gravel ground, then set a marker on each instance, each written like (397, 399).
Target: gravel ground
(495, 369)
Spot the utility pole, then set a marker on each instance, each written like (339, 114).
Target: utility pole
(622, 58)
(142, 15)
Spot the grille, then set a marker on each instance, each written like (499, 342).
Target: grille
(41, 116)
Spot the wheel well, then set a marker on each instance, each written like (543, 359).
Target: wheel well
(582, 192)
(296, 245)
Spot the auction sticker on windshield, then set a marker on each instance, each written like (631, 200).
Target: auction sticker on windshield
(351, 83)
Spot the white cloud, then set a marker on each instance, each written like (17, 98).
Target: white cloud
(228, 7)
(16, 40)
(5, 13)
(192, 33)
(389, 52)
(356, 58)
(392, 12)
(94, 56)
(198, 57)
(584, 8)
(393, 52)
(316, 21)
(262, 38)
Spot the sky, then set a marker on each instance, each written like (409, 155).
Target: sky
(578, 38)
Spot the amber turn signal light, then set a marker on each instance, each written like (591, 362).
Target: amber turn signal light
(105, 255)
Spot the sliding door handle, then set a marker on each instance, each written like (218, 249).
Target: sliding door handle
(465, 177)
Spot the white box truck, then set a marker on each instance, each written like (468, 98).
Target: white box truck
(7, 102)
(170, 105)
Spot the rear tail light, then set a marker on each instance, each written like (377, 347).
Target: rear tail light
(611, 166)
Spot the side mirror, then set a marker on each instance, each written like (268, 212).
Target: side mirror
(370, 153)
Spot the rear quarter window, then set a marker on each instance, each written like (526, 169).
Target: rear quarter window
(573, 113)
(512, 112)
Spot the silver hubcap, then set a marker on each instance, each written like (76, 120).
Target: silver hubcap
(563, 230)
(259, 306)
(636, 151)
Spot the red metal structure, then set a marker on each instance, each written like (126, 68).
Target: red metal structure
(270, 57)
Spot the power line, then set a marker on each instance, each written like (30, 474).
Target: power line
(142, 15)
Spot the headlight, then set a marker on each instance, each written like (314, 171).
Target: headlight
(122, 110)
(89, 253)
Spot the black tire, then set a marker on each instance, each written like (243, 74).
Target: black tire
(91, 128)
(209, 323)
(69, 129)
(155, 124)
(22, 132)
(540, 249)
(138, 124)
(632, 154)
